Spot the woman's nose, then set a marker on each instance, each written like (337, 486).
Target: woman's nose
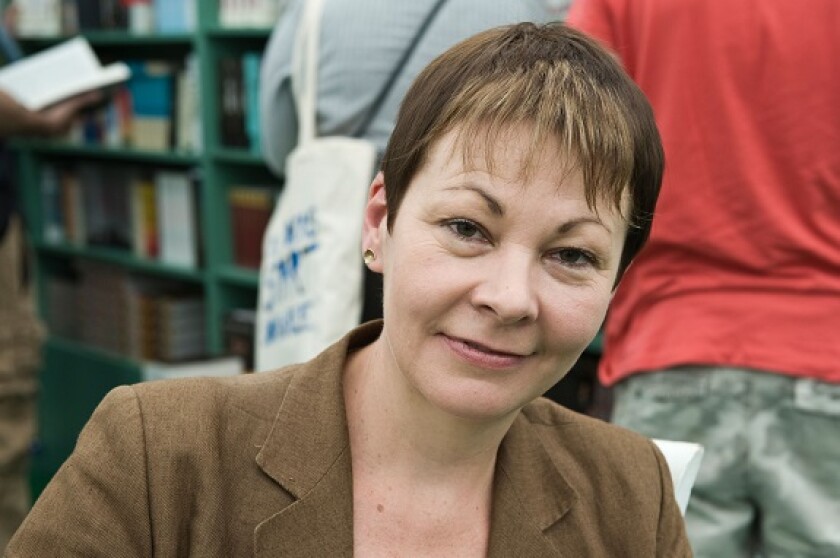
(507, 288)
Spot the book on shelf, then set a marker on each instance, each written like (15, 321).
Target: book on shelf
(151, 214)
(138, 317)
(215, 368)
(152, 91)
(177, 218)
(50, 18)
(157, 109)
(144, 220)
(51, 206)
(250, 211)
(57, 73)
(232, 102)
(107, 206)
(238, 332)
(250, 13)
(63, 307)
(181, 323)
(73, 208)
(39, 18)
(251, 62)
(188, 122)
(239, 115)
(174, 16)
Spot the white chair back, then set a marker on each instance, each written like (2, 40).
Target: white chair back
(684, 462)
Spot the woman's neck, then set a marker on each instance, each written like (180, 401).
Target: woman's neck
(394, 428)
(422, 478)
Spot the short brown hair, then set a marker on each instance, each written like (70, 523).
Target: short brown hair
(559, 81)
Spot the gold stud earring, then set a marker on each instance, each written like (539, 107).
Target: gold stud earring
(369, 256)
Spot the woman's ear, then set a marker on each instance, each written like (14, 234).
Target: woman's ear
(375, 224)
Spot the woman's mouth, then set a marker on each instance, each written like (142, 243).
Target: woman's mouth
(484, 356)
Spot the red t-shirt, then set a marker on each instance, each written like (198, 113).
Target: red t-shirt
(743, 264)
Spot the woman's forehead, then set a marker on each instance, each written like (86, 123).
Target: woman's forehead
(515, 155)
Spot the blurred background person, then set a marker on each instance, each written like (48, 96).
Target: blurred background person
(21, 332)
(725, 329)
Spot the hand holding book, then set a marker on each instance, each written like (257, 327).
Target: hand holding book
(57, 73)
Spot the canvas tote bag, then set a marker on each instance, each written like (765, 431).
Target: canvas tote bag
(310, 291)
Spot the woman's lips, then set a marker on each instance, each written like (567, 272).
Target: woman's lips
(481, 355)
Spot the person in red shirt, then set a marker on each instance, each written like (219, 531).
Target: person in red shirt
(724, 331)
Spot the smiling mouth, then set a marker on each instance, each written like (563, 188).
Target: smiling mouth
(486, 349)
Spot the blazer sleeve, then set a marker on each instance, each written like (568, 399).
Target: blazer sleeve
(671, 537)
(97, 504)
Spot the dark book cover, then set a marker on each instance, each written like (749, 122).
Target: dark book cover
(232, 103)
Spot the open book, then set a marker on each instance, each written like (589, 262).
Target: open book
(57, 73)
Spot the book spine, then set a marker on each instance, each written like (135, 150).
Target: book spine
(39, 18)
(176, 212)
(250, 211)
(152, 88)
(250, 13)
(251, 62)
(174, 16)
(53, 227)
(231, 96)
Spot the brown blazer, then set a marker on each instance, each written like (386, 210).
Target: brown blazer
(259, 465)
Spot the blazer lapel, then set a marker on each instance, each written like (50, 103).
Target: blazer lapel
(530, 495)
(319, 524)
(307, 453)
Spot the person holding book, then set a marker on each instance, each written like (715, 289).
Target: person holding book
(515, 190)
(21, 332)
(20, 329)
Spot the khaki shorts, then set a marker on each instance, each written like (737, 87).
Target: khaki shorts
(20, 342)
(770, 476)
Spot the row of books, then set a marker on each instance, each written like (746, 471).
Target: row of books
(239, 114)
(140, 318)
(40, 18)
(152, 214)
(157, 109)
(49, 18)
(145, 319)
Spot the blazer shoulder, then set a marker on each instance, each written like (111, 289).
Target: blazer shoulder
(258, 394)
(594, 446)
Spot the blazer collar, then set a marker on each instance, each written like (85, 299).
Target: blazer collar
(307, 452)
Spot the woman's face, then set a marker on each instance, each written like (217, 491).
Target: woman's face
(493, 284)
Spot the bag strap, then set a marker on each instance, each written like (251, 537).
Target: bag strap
(376, 105)
(305, 68)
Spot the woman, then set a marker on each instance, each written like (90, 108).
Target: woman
(514, 192)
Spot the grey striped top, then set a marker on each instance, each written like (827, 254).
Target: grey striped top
(361, 41)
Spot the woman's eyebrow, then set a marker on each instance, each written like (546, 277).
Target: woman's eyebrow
(569, 225)
(497, 208)
(492, 203)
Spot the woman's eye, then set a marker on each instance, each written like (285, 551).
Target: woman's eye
(575, 257)
(466, 229)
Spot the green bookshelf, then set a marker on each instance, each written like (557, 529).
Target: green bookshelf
(75, 376)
